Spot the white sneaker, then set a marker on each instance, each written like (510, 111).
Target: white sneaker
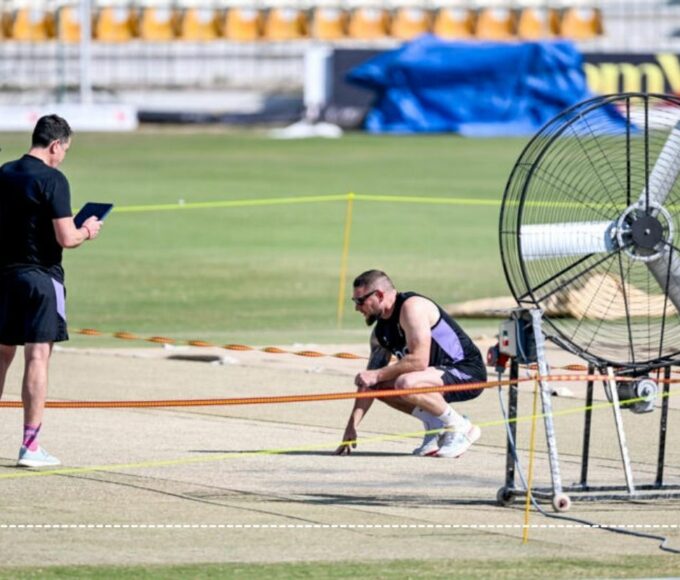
(430, 444)
(455, 443)
(37, 458)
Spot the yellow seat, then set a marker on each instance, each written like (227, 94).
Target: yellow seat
(454, 23)
(368, 23)
(285, 24)
(581, 23)
(535, 23)
(156, 24)
(329, 23)
(31, 25)
(200, 24)
(5, 23)
(495, 24)
(114, 24)
(68, 24)
(243, 24)
(408, 23)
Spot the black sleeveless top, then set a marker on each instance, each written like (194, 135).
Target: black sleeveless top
(451, 347)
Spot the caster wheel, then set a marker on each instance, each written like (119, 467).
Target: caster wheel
(504, 496)
(561, 502)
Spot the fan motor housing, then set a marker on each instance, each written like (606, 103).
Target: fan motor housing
(638, 395)
(647, 232)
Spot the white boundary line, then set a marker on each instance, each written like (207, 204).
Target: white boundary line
(333, 526)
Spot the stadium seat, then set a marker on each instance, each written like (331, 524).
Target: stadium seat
(369, 23)
(454, 22)
(409, 22)
(537, 22)
(243, 24)
(28, 23)
(5, 23)
(199, 24)
(68, 23)
(329, 23)
(495, 23)
(581, 23)
(115, 23)
(156, 23)
(285, 23)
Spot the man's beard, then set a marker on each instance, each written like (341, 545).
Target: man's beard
(370, 320)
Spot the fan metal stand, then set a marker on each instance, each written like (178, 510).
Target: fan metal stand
(528, 345)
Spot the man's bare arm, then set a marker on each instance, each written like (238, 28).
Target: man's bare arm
(418, 315)
(379, 357)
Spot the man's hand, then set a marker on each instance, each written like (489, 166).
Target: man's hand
(366, 379)
(92, 225)
(349, 441)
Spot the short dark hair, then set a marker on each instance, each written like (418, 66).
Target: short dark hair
(370, 278)
(50, 128)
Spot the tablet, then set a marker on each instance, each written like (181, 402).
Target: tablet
(99, 210)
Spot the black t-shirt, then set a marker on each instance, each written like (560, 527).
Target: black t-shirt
(32, 194)
(450, 346)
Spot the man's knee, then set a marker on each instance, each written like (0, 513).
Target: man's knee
(37, 353)
(405, 381)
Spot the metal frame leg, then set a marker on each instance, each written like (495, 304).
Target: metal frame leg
(561, 501)
(585, 454)
(623, 446)
(512, 425)
(663, 427)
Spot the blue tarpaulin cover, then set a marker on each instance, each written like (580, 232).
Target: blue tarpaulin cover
(475, 89)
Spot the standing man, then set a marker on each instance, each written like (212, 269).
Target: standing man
(432, 351)
(35, 225)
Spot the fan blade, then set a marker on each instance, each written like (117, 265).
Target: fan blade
(665, 171)
(660, 271)
(568, 239)
(539, 241)
(661, 180)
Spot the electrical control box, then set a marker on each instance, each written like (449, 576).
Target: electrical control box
(507, 338)
(516, 337)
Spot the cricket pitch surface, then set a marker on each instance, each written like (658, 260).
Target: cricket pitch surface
(260, 482)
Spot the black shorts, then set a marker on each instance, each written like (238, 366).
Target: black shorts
(32, 307)
(453, 376)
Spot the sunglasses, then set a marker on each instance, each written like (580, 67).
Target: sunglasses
(359, 300)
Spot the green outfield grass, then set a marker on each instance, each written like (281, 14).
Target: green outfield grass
(262, 274)
(622, 567)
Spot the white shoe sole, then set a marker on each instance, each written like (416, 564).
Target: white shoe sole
(32, 463)
(472, 436)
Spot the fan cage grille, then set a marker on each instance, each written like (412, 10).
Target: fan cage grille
(589, 164)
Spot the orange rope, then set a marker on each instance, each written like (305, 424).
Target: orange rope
(371, 394)
(123, 335)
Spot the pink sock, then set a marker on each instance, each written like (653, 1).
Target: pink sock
(31, 436)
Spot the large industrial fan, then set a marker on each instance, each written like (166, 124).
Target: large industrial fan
(590, 239)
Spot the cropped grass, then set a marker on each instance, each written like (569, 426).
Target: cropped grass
(624, 566)
(271, 273)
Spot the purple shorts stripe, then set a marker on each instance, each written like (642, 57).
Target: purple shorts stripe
(61, 299)
(448, 340)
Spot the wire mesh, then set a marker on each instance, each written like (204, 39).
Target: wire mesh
(591, 167)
